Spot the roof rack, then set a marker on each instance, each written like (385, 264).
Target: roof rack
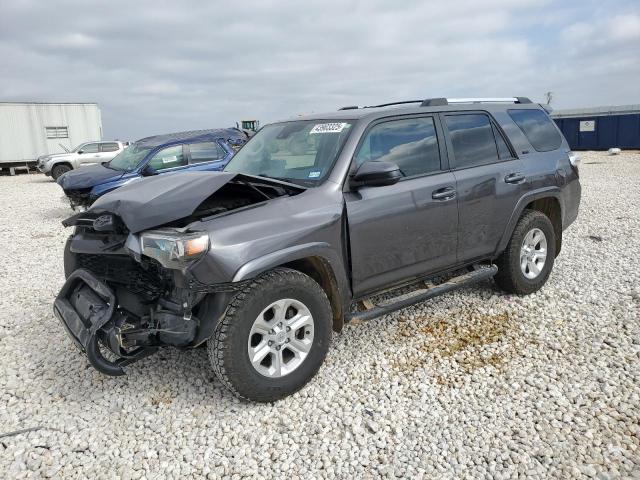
(439, 102)
(447, 101)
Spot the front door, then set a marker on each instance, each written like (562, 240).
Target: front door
(90, 154)
(398, 232)
(489, 180)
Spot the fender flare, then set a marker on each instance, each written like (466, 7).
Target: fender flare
(339, 287)
(271, 260)
(525, 200)
(215, 305)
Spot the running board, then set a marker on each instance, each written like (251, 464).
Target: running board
(417, 296)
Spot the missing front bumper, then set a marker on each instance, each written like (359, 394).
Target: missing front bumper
(84, 306)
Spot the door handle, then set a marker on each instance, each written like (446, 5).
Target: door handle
(445, 193)
(515, 178)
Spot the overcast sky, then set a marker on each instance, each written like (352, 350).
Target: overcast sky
(157, 67)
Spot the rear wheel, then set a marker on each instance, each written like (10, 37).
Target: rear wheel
(273, 337)
(58, 170)
(526, 264)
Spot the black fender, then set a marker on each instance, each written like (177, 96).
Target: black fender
(281, 257)
(554, 192)
(214, 305)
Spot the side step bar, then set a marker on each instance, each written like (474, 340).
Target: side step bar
(421, 295)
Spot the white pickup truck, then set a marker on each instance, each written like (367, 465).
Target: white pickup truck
(89, 153)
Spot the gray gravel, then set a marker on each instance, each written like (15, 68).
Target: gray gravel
(475, 384)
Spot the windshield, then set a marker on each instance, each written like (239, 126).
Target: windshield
(301, 152)
(129, 158)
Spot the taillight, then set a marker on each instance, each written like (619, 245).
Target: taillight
(574, 160)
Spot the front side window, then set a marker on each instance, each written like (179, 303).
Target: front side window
(90, 148)
(169, 157)
(206, 152)
(538, 128)
(472, 139)
(412, 144)
(301, 152)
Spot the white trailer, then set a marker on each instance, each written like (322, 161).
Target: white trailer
(31, 129)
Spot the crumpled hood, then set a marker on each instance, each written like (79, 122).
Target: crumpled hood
(161, 199)
(87, 177)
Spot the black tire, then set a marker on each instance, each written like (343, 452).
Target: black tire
(58, 170)
(510, 277)
(227, 346)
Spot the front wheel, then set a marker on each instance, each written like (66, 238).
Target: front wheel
(59, 170)
(273, 337)
(526, 264)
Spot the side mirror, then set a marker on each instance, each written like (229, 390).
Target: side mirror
(375, 174)
(148, 171)
(80, 152)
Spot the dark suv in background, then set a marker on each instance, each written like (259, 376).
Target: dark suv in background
(263, 259)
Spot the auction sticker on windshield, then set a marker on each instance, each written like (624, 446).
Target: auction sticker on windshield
(328, 127)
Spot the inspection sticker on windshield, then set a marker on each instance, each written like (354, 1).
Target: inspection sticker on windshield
(328, 127)
(314, 173)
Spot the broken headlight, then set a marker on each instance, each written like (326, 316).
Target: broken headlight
(174, 249)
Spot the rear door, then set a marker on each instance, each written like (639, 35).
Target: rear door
(408, 229)
(489, 181)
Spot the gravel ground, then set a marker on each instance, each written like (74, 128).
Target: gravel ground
(475, 384)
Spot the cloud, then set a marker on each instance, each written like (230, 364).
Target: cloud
(156, 66)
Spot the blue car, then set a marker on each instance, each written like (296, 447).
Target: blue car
(201, 150)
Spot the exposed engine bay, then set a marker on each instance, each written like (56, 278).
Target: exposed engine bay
(118, 297)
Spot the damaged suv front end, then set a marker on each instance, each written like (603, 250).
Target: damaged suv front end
(129, 265)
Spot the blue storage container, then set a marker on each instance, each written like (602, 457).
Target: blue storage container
(600, 128)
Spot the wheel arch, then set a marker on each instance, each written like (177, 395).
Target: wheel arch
(548, 202)
(62, 162)
(319, 269)
(317, 260)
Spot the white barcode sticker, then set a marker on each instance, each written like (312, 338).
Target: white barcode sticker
(328, 127)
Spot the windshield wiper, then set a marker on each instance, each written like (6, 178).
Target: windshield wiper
(295, 181)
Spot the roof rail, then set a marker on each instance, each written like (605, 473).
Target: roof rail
(446, 101)
(439, 102)
(404, 102)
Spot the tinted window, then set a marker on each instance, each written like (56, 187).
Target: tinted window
(411, 144)
(472, 139)
(503, 150)
(206, 152)
(109, 147)
(169, 157)
(538, 128)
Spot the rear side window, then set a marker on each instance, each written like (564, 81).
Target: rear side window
(411, 144)
(206, 152)
(503, 151)
(538, 128)
(108, 147)
(472, 139)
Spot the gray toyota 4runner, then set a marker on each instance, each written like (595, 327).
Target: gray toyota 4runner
(261, 261)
